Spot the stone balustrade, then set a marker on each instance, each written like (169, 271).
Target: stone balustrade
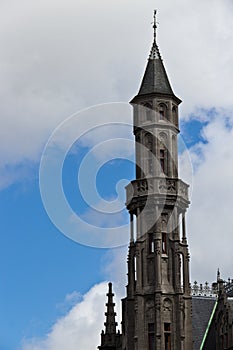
(207, 290)
(156, 186)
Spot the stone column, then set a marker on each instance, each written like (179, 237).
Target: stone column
(184, 239)
(131, 228)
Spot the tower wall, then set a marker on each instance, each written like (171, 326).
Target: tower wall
(158, 292)
(156, 313)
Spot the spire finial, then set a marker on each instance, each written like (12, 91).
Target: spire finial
(110, 324)
(155, 24)
(218, 275)
(154, 54)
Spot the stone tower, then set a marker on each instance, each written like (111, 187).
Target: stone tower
(157, 308)
(156, 313)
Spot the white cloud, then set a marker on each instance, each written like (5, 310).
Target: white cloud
(71, 299)
(80, 328)
(209, 234)
(58, 57)
(115, 269)
(198, 52)
(83, 323)
(210, 219)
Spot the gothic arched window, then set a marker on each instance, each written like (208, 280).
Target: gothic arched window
(148, 141)
(174, 156)
(167, 336)
(163, 152)
(162, 111)
(151, 335)
(148, 111)
(151, 243)
(164, 243)
(174, 116)
(135, 268)
(164, 233)
(162, 159)
(149, 146)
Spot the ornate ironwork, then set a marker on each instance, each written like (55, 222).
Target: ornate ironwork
(204, 290)
(213, 290)
(229, 287)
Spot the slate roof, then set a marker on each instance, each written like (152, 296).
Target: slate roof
(202, 308)
(155, 79)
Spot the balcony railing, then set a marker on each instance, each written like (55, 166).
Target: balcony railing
(157, 186)
(205, 290)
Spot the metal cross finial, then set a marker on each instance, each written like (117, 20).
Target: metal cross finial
(218, 275)
(154, 54)
(155, 24)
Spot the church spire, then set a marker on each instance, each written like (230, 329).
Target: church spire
(157, 309)
(110, 338)
(110, 324)
(155, 80)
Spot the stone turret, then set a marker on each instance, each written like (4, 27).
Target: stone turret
(156, 313)
(110, 338)
(157, 308)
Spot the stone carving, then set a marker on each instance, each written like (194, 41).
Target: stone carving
(187, 256)
(183, 189)
(167, 305)
(142, 186)
(162, 185)
(150, 304)
(168, 186)
(150, 185)
(157, 185)
(157, 248)
(181, 305)
(157, 303)
(163, 137)
(171, 186)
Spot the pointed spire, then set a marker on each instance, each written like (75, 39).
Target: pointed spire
(155, 80)
(110, 324)
(110, 339)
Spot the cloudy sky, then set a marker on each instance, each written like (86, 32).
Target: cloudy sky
(57, 58)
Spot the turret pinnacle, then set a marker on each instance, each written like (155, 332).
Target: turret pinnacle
(154, 53)
(155, 79)
(110, 324)
(110, 338)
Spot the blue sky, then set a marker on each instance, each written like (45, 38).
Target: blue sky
(58, 58)
(39, 264)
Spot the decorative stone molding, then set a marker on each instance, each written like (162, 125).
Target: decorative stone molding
(158, 303)
(157, 186)
(167, 305)
(229, 287)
